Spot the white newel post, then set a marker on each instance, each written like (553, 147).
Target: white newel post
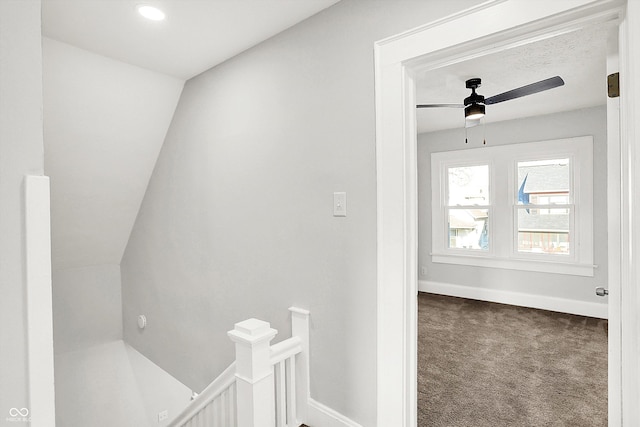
(300, 329)
(254, 373)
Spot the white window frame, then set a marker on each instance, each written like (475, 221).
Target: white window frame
(503, 206)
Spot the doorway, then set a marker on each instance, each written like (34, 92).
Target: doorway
(510, 266)
(398, 59)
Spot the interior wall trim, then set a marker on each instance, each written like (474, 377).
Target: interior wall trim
(543, 302)
(322, 415)
(37, 223)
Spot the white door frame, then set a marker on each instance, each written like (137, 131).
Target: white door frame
(614, 200)
(475, 32)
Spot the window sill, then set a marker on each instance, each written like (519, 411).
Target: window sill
(544, 266)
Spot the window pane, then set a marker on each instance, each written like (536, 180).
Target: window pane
(468, 229)
(544, 182)
(468, 185)
(544, 231)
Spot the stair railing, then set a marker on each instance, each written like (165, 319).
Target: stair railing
(267, 385)
(215, 406)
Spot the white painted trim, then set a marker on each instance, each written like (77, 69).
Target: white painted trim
(213, 391)
(545, 266)
(503, 241)
(323, 416)
(614, 198)
(39, 301)
(255, 379)
(630, 220)
(543, 302)
(300, 329)
(454, 38)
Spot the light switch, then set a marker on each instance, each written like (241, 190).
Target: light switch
(340, 204)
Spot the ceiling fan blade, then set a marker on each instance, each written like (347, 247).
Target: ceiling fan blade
(440, 106)
(526, 90)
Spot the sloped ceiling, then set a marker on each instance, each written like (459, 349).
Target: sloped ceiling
(196, 35)
(104, 125)
(112, 81)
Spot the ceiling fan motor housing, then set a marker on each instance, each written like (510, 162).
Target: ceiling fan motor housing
(474, 98)
(474, 103)
(473, 83)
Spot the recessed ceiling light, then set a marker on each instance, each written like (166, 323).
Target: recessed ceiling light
(151, 12)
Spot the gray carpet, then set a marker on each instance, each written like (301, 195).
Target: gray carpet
(487, 364)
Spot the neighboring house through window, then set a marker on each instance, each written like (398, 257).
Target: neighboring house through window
(522, 206)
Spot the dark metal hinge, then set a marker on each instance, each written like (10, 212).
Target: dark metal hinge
(613, 85)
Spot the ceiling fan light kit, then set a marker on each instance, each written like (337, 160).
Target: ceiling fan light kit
(474, 104)
(474, 111)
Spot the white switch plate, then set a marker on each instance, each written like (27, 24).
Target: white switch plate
(162, 416)
(340, 204)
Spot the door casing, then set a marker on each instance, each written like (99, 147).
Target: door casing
(457, 38)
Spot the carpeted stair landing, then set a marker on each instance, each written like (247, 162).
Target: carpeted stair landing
(487, 364)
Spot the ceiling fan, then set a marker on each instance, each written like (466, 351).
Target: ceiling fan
(474, 104)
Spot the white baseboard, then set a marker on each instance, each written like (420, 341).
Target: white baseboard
(322, 416)
(563, 305)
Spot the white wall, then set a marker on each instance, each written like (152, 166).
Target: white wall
(104, 124)
(21, 153)
(100, 380)
(590, 121)
(111, 384)
(87, 307)
(237, 220)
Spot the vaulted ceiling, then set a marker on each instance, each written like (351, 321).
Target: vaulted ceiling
(195, 36)
(104, 124)
(112, 81)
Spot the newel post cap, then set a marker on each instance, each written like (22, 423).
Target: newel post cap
(252, 331)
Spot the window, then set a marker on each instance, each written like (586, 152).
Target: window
(467, 199)
(522, 206)
(545, 208)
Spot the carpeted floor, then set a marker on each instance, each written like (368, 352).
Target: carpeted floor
(487, 364)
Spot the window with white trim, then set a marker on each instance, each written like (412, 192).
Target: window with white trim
(525, 206)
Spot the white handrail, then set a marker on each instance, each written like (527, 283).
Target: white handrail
(267, 386)
(225, 380)
(285, 349)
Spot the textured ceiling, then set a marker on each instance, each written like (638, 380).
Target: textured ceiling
(578, 57)
(195, 36)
